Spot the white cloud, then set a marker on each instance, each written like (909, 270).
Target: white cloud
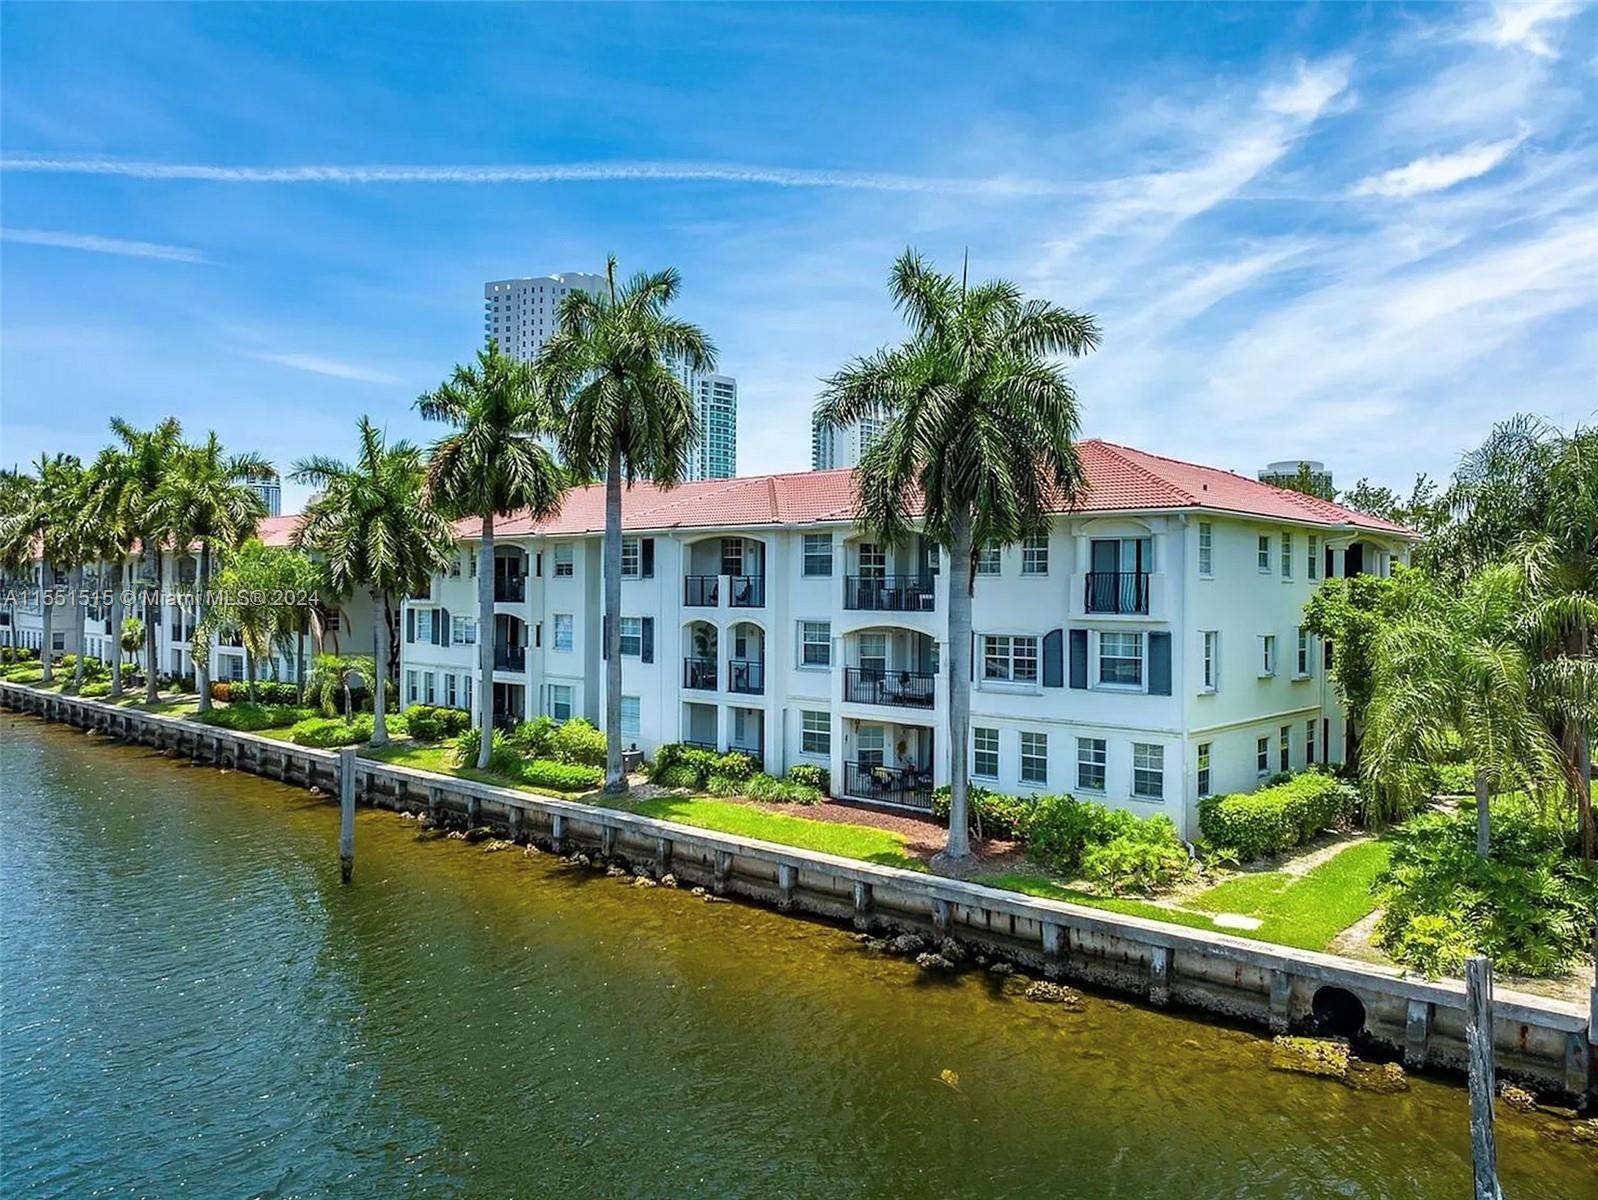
(1313, 88)
(1525, 25)
(335, 368)
(1435, 172)
(102, 245)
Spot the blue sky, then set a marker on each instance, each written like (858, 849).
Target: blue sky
(1354, 232)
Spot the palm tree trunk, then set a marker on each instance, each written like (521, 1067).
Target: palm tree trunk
(958, 848)
(75, 582)
(202, 660)
(1484, 795)
(117, 617)
(380, 670)
(152, 626)
(299, 663)
(249, 673)
(485, 643)
(46, 619)
(615, 779)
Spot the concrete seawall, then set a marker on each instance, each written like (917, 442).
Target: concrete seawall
(1546, 1042)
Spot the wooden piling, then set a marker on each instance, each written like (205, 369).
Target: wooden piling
(1479, 1048)
(346, 812)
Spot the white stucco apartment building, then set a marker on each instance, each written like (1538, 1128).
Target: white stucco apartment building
(1148, 651)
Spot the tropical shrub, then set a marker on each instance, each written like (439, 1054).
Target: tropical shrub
(1453, 779)
(24, 673)
(1001, 816)
(1150, 860)
(535, 738)
(1064, 833)
(249, 718)
(18, 654)
(1272, 819)
(577, 741)
(735, 764)
(812, 776)
(222, 691)
(1528, 906)
(503, 757)
(559, 776)
(326, 733)
(683, 766)
(770, 790)
(430, 723)
(100, 687)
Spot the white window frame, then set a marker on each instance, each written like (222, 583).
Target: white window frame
(1035, 556)
(1309, 741)
(1313, 560)
(632, 633)
(565, 558)
(1287, 554)
(871, 746)
(463, 631)
(1206, 550)
(561, 696)
(1285, 748)
(1010, 658)
(1092, 756)
(1262, 756)
(1267, 659)
(815, 644)
(1034, 758)
(1205, 780)
(451, 695)
(1116, 639)
(815, 732)
(631, 558)
(410, 687)
(565, 626)
(1263, 554)
(816, 556)
(1148, 771)
(424, 625)
(1306, 657)
(430, 687)
(990, 560)
(984, 742)
(1210, 660)
(871, 560)
(632, 717)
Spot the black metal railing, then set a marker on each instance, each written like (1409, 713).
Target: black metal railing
(888, 593)
(505, 721)
(510, 589)
(1117, 592)
(746, 675)
(701, 591)
(907, 689)
(711, 746)
(747, 591)
(510, 658)
(699, 674)
(887, 785)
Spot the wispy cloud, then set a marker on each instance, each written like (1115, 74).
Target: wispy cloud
(103, 245)
(1436, 172)
(650, 172)
(1525, 25)
(335, 368)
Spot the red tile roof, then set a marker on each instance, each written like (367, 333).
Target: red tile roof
(278, 531)
(1119, 479)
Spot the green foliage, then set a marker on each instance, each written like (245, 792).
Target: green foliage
(1453, 779)
(1348, 614)
(1254, 824)
(23, 673)
(812, 776)
(18, 654)
(432, 723)
(1063, 831)
(267, 691)
(577, 741)
(735, 764)
(1152, 860)
(687, 766)
(1001, 816)
(676, 775)
(326, 733)
(100, 687)
(769, 790)
(535, 738)
(503, 757)
(248, 718)
(1528, 906)
(558, 776)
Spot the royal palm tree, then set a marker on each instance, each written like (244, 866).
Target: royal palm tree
(248, 591)
(16, 558)
(106, 477)
(208, 500)
(1448, 670)
(493, 462)
(42, 521)
(979, 432)
(625, 415)
(375, 531)
(133, 479)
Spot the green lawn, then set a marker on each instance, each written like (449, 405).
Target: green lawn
(1048, 889)
(439, 757)
(727, 816)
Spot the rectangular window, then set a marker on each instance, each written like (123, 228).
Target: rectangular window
(1314, 561)
(1206, 550)
(818, 554)
(1010, 659)
(564, 558)
(1212, 660)
(1204, 769)
(1035, 758)
(1148, 770)
(630, 558)
(815, 732)
(560, 701)
(1121, 659)
(815, 643)
(462, 631)
(1303, 651)
(410, 687)
(871, 742)
(1262, 756)
(874, 653)
(1286, 748)
(451, 696)
(1091, 757)
(1035, 556)
(428, 687)
(985, 752)
(873, 560)
(631, 717)
(1267, 655)
(1287, 556)
(424, 624)
(563, 631)
(455, 566)
(1309, 743)
(988, 559)
(632, 637)
(1264, 554)
(732, 556)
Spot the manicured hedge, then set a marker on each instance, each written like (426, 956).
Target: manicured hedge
(765, 788)
(677, 765)
(812, 776)
(1255, 824)
(432, 723)
(325, 733)
(559, 776)
(267, 691)
(248, 718)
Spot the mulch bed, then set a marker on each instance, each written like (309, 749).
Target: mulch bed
(924, 837)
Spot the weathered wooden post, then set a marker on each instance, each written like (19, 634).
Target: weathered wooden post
(1479, 1048)
(346, 812)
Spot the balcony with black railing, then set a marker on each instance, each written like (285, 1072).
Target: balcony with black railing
(879, 784)
(701, 591)
(1125, 592)
(699, 674)
(905, 689)
(746, 591)
(888, 593)
(510, 589)
(510, 658)
(747, 676)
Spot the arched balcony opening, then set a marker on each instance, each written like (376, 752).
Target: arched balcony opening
(746, 667)
(879, 578)
(724, 571)
(701, 656)
(510, 575)
(510, 643)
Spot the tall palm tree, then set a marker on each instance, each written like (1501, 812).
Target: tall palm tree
(207, 499)
(375, 531)
(1454, 666)
(16, 558)
(134, 478)
(107, 477)
(625, 415)
(42, 522)
(979, 432)
(493, 462)
(252, 579)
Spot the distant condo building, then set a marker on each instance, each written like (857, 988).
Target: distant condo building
(1286, 474)
(520, 314)
(271, 494)
(832, 448)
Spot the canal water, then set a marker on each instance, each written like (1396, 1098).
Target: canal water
(194, 1006)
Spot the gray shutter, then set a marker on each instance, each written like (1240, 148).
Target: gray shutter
(604, 636)
(647, 647)
(410, 624)
(1079, 658)
(1159, 664)
(1054, 658)
(973, 658)
(443, 627)
(538, 565)
(646, 558)
(437, 638)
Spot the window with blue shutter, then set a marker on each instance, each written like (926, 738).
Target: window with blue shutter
(1079, 658)
(1054, 658)
(1159, 664)
(647, 641)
